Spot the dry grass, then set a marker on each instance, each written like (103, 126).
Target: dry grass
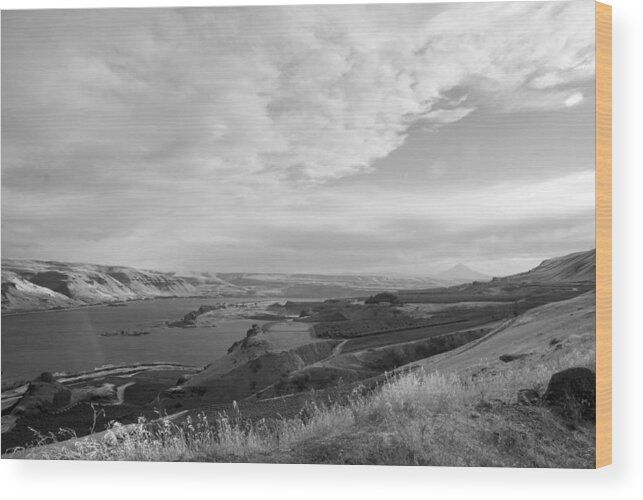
(414, 419)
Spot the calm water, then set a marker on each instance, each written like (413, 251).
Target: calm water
(70, 340)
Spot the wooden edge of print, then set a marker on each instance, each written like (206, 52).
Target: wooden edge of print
(603, 235)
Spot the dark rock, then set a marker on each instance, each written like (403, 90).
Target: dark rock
(571, 394)
(528, 397)
(506, 358)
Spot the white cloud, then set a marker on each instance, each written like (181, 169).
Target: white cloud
(547, 80)
(574, 99)
(442, 116)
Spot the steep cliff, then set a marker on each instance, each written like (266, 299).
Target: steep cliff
(30, 285)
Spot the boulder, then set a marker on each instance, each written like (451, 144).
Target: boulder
(571, 394)
(528, 397)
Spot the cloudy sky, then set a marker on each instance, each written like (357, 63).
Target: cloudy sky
(362, 139)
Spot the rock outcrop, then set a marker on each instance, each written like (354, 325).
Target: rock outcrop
(252, 364)
(190, 319)
(571, 394)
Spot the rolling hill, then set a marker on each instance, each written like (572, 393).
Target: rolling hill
(575, 267)
(548, 331)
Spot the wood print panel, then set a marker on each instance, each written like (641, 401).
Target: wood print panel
(603, 234)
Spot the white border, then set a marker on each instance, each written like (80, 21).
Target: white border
(122, 481)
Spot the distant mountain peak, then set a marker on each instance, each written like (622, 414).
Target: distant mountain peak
(462, 272)
(461, 267)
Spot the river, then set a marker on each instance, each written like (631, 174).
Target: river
(70, 340)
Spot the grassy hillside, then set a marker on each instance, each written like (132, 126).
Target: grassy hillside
(544, 333)
(415, 419)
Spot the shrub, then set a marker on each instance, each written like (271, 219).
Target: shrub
(383, 297)
(46, 377)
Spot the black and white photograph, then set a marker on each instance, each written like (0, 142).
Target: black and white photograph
(303, 234)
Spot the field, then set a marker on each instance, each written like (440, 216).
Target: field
(409, 335)
(524, 295)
